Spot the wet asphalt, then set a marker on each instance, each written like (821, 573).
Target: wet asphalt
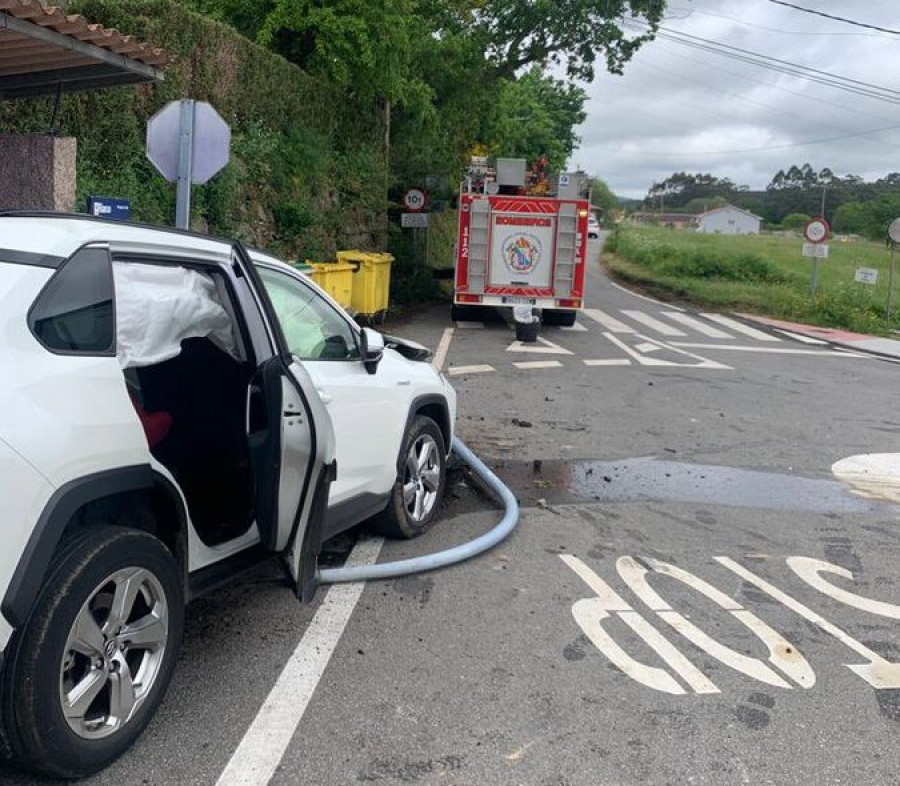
(488, 673)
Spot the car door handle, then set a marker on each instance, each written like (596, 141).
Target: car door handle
(326, 399)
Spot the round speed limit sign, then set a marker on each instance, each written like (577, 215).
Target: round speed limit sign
(415, 200)
(817, 231)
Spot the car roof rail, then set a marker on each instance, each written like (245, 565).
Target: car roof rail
(113, 222)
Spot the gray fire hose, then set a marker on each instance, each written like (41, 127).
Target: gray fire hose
(440, 559)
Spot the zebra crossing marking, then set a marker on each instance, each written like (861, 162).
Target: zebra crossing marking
(740, 327)
(608, 362)
(696, 324)
(803, 339)
(654, 324)
(609, 322)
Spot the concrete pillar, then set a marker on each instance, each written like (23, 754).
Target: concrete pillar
(37, 172)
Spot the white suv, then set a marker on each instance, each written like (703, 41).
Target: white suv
(173, 409)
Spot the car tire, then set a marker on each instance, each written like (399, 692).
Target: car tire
(422, 473)
(559, 318)
(59, 656)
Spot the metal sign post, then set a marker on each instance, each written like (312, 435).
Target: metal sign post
(890, 295)
(185, 164)
(817, 232)
(188, 142)
(894, 234)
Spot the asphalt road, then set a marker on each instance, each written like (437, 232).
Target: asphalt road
(662, 615)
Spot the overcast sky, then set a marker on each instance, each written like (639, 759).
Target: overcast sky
(679, 109)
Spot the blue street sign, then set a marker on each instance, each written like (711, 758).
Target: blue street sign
(109, 207)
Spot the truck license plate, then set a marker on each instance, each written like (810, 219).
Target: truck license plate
(518, 301)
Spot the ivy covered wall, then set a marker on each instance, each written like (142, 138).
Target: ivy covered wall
(307, 172)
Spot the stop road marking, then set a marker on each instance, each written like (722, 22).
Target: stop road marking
(784, 656)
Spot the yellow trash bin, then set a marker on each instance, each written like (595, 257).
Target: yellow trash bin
(371, 282)
(336, 278)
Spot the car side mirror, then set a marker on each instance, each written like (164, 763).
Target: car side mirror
(371, 348)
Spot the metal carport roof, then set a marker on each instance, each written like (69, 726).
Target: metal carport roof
(44, 50)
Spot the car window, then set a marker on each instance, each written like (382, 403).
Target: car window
(74, 312)
(313, 329)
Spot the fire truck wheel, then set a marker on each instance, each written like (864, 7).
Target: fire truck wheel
(464, 313)
(560, 318)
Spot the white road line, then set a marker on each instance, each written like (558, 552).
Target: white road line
(546, 348)
(643, 297)
(265, 742)
(608, 362)
(766, 350)
(609, 322)
(647, 347)
(654, 324)
(696, 324)
(809, 569)
(802, 338)
(740, 327)
(649, 361)
(457, 371)
(576, 328)
(440, 354)
(538, 364)
(644, 361)
(470, 325)
(878, 672)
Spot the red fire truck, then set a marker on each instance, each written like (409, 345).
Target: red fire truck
(521, 250)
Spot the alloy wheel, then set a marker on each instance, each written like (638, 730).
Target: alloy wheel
(421, 478)
(113, 653)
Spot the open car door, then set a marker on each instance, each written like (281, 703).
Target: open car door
(291, 442)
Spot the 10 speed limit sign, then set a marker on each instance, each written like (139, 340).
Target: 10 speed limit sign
(415, 200)
(817, 231)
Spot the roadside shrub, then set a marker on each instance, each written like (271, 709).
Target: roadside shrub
(412, 281)
(762, 275)
(673, 260)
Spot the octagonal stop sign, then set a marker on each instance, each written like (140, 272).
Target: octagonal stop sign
(210, 137)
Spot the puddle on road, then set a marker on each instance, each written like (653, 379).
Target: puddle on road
(653, 480)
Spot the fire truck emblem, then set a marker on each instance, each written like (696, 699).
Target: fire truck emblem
(522, 253)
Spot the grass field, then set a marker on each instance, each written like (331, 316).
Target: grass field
(762, 274)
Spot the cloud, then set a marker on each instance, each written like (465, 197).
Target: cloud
(676, 108)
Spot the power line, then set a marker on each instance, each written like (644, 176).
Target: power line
(671, 74)
(826, 78)
(785, 146)
(692, 11)
(780, 88)
(835, 18)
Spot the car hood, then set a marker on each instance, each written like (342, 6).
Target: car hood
(411, 350)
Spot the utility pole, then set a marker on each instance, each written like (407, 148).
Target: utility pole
(822, 212)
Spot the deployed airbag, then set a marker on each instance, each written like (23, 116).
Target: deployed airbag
(158, 306)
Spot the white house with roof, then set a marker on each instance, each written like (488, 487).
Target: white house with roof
(729, 220)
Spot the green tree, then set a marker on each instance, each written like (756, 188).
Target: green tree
(796, 221)
(535, 115)
(603, 198)
(851, 218)
(702, 204)
(516, 34)
(679, 189)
